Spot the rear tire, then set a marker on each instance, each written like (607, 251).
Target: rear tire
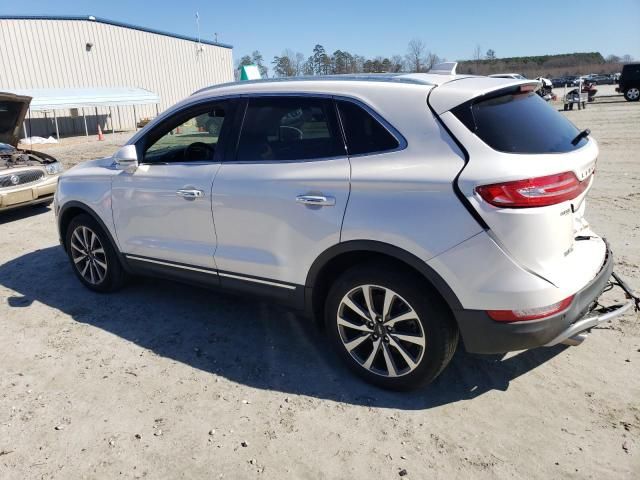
(399, 340)
(93, 257)
(632, 94)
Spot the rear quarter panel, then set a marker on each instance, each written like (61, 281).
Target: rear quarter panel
(406, 198)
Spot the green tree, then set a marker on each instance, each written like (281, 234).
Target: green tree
(319, 60)
(491, 54)
(283, 67)
(257, 60)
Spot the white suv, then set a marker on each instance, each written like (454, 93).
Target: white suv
(398, 210)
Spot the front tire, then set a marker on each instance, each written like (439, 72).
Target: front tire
(389, 327)
(93, 257)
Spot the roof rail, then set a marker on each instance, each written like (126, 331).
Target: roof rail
(446, 68)
(357, 77)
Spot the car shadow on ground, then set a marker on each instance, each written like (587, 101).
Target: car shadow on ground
(23, 212)
(249, 342)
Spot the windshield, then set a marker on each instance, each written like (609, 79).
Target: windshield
(520, 123)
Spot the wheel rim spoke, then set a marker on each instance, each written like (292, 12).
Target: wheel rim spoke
(366, 291)
(407, 358)
(84, 270)
(389, 296)
(77, 237)
(388, 360)
(372, 356)
(84, 238)
(415, 339)
(410, 315)
(354, 343)
(354, 326)
(100, 271)
(351, 304)
(100, 263)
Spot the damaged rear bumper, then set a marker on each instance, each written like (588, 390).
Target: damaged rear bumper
(574, 334)
(481, 334)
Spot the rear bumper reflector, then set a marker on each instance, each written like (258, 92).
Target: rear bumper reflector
(525, 314)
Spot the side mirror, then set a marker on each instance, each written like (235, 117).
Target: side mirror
(127, 158)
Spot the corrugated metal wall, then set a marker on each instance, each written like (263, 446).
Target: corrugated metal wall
(39, 53)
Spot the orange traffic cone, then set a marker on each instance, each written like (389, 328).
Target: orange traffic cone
(100, 135)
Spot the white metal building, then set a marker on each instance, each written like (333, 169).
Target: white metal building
(44, 52)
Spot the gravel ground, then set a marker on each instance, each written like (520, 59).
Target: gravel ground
(163, 380)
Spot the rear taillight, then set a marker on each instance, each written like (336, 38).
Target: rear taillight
(534, 192)
(530, 313)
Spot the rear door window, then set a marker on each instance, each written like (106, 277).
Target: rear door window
(289, 128)
(519, 123)
(364, 133)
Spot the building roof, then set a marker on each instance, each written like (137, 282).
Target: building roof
(43, 99)
(91, 18)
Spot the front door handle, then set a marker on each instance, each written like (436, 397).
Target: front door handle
(189, 194)
(319, 200)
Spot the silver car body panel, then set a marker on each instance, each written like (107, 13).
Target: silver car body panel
(263, 230)
(152, 218)
(89, 183)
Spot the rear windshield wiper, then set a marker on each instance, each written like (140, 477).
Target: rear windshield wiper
(583, 134)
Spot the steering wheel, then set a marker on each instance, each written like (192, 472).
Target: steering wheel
(199, 151)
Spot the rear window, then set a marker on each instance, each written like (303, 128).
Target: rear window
(519, 123)
(364, 134)
(631, 71)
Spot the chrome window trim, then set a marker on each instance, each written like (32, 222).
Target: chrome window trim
(402, 141)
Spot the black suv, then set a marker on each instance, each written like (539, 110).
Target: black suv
(629, 83)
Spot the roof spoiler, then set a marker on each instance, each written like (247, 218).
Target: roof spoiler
(446, 68)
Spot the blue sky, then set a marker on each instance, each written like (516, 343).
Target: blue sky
(451, 29)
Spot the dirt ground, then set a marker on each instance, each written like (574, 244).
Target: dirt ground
(166, 381)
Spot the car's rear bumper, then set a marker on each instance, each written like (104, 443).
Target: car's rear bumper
(481, 334)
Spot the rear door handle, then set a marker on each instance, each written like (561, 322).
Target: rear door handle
(319, 200)
(189, 194)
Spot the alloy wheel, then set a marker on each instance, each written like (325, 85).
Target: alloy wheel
(88, 255)
(633, 93)
(381, 331)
